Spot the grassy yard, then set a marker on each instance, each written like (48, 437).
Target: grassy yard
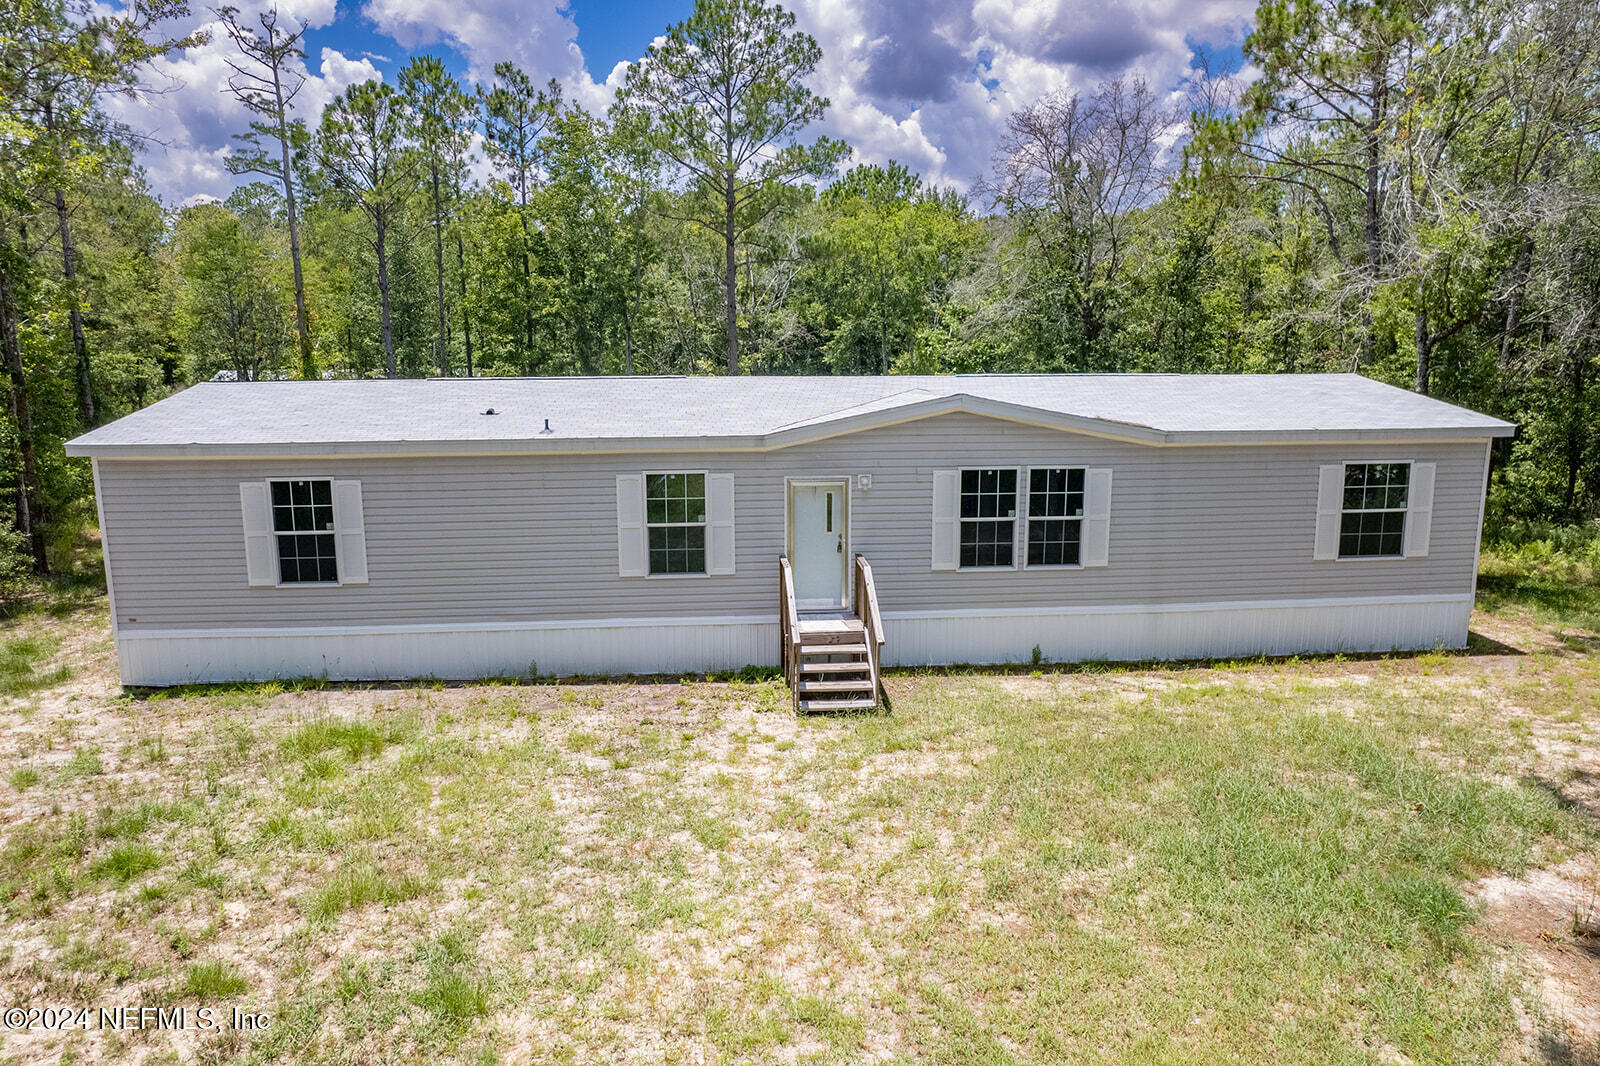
(1382, 860)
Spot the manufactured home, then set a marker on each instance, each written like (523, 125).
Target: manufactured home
(465, 528)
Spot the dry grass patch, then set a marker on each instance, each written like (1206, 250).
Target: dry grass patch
(1286, 861)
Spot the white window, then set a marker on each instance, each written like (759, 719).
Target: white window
(304, 531)
(1055, 516)
(975, 515)
(1375, 510)
(1372, 519)
(988, 517)
(675, 521)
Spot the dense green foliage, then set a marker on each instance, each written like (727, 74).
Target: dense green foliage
(1409, 190)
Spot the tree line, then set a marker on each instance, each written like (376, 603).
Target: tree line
(1408, 189)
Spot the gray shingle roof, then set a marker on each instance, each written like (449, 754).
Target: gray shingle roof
(326, 417)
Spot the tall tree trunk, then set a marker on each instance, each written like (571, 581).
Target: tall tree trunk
(383, 298)
(308, 366)
(527, 280)
(730, 275)
(627, 341)
(28, 495)
(883, 327)
(438, 263)
(1575, 427)
(466, 319)
(1424, 350)
(80, 347)
(1372, 226)
(1519, 282)
(69, 270)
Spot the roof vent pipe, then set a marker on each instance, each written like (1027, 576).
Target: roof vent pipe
(490, 411)
(546, 428)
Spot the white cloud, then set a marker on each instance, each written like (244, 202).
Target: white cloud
(190, 118)
(927, 82)
(931, 82)
(537, 36)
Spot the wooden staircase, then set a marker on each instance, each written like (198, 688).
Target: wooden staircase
(831, 658)
(835, 665)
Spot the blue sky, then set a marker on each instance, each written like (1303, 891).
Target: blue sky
(927, 82)
(608, 34)
(612, 33)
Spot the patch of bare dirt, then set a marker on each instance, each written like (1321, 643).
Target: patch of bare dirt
(1553, 916)
(1507, 636)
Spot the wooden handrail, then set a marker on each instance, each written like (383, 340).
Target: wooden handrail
(866, 607)
(789, 628)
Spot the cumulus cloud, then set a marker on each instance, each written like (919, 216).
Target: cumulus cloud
(927, 82)
(930, 82)
(539, 37)
(190, 119)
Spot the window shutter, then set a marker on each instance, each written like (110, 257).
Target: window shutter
(260, 553)
(630, 525)
(1419, 514)
(1096, 516)
(1330, 505)
(946, 518)
(349, 525)
(719, 523)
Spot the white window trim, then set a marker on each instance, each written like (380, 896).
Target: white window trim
(277, 561)
(1345, 465)
(1026, 491)
(1018, 520)
(648, 525)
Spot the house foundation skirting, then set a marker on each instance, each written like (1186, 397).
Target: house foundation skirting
(1178, 631)
(149, 656)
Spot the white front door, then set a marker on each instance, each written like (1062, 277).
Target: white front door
(817, 542)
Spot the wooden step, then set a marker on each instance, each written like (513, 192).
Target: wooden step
(860, 666)
(860, 685)
(823, 639)
(837, 705)
(833, 649)
(832, 631)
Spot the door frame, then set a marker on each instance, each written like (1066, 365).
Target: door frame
(841, 482)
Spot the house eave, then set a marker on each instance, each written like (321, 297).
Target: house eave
(596, 446)
(789, 436)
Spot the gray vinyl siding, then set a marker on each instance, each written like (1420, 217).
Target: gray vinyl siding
(526, 539)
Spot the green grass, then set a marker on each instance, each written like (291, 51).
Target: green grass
(1552, 575)
(357, 740)
(124, 862)
(1261, 861)
(135, 820)
(356, 886)
(23, 659)
(452, 990)
(1315, 859)
(455, 997)
(212, 980)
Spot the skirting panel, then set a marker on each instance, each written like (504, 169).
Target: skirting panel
(921, 638)
(406, 652)
(1178, 631)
